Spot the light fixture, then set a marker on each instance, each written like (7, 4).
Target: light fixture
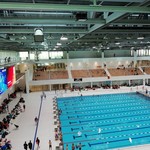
(117, 38)
(59, 44)
(140, 38)
(63, 38)
(128, 38)
(94, 47)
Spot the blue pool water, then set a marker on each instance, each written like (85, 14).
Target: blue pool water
(103, 122)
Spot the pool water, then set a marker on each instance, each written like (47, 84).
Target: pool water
(101, 122)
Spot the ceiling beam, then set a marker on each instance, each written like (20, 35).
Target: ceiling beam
(137, 1)
(64, 7)
(73, 31)
(49, 21)
(27, 31)
(127, 31)
(131, 22)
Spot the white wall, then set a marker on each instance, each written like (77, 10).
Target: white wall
(115, 62)
(118, 53)
(78, 64)
(26, 66)
(84, 54)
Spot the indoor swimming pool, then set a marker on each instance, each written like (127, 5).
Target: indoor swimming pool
(101, 122)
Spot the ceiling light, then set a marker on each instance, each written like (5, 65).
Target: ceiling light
(59, 44)
(94, 47)
(63, 38)
(105, 38)
(140, 38)
(117, 38)
(38, 31)
(128, 37)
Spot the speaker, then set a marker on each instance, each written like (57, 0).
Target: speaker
(38, 35)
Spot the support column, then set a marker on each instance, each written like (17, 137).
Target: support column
(91, 84)
(110, 84)
(102, 58)
(28, 55)
(135, 58)
(71, 85)
(27, 81)
(143, 82)
(50, 87)
(146, 81)
(67, 55)
(129, 82)
(49, 55)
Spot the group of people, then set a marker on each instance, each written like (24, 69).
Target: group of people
(5, 123)
(25, 145)
(5, 144)
(73, 146)
(7, 59)
(4, 105)
(30, 145)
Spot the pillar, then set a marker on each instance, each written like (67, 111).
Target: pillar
(91, 84)
(129, 82)
(135, 58)
(67, 55)
(50, 87)
(102, 58)
(27, 81)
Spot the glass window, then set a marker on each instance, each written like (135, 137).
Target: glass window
(132, 52)
(23, 55)
(43, 55)
(54, 55)
(32, 56)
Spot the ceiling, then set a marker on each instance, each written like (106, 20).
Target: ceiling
(88, 24)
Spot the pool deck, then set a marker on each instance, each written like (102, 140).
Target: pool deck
(46, 127)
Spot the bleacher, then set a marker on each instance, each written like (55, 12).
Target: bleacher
(117, 72)
(146, 70)
(41, 75)
(134, 71)
(91, 73)
(97, 73)
(59, 74)
(124, 71)
(80, 73)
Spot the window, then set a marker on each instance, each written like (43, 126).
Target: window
(54, 55)
(23, 55)
(43, 55)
